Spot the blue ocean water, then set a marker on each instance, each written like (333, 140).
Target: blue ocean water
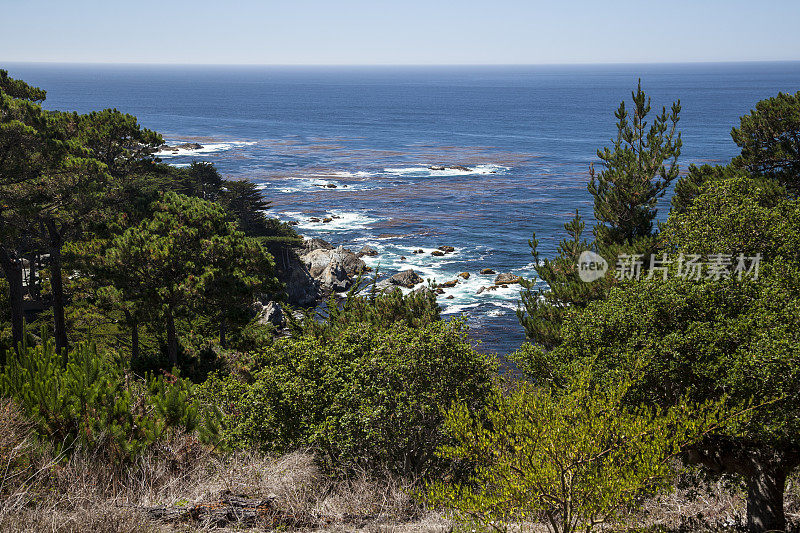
(527, 134)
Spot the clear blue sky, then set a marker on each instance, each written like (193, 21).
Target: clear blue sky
(400, 32)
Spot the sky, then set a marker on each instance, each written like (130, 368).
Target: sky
(418, 32)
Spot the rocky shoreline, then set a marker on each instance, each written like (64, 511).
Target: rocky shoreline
(317, 269)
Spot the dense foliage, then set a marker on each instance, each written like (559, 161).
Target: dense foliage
(576, 456)
(725, 331)
(87, 401)
(368, 396)
(770, 140)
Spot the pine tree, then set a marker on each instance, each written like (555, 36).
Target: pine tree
(637, 171)
(543, 307)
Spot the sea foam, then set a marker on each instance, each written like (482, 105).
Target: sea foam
(209, 148)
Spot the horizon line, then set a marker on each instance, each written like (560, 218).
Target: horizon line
(566, 64)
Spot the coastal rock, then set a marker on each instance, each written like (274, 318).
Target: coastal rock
(448, 284)
(189, 146)
(506, 278)
(418, 251)
(450, 167)
(481, 290)
(437, 253)
(406, 278)
(368, 251)
(447, 249)
(317, 244)
(333, 268)
(488, 271)
(314, 219)
(271, 313)
(450, 297)
(334, 277)
(385, 286)
(424, 290)
(464, 275)
(301, 288)
(327, 219)
(331, 185)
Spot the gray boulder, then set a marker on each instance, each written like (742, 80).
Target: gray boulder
(334, 269)
(190, 146)
(317, 261)
(368, 251)
(406, 278)
(505, 278)
(271, 313)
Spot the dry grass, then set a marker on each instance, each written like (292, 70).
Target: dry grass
(41, 491)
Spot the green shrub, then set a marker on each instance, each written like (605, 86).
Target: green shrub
(575, 457)
(365, 304)
(367, 396)
(84, 398)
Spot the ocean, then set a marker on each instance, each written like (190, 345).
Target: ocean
(356, 144)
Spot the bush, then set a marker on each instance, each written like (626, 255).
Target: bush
(84, 399)
(368, 396)
(576, 457)
(366, 304)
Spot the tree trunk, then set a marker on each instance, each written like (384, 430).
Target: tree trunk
(33, 276)
(764, 470)
(172, 339)
(765, 501)
(12, 267)
(57, 284)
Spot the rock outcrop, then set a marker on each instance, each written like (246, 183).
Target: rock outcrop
(406, 278)
(450, 167)
(368, 251)
(183, 146)
(271, 313)
(334, 269)
(506, 278)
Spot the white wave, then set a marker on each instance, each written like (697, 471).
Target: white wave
(209, 148)
(458, 308)
(425, 171)
(345, 174)
(340, 221)
(296, 184)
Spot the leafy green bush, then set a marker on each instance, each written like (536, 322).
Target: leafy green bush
(367, 396)
(83, 398)
(365, 304)
(575, 456)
